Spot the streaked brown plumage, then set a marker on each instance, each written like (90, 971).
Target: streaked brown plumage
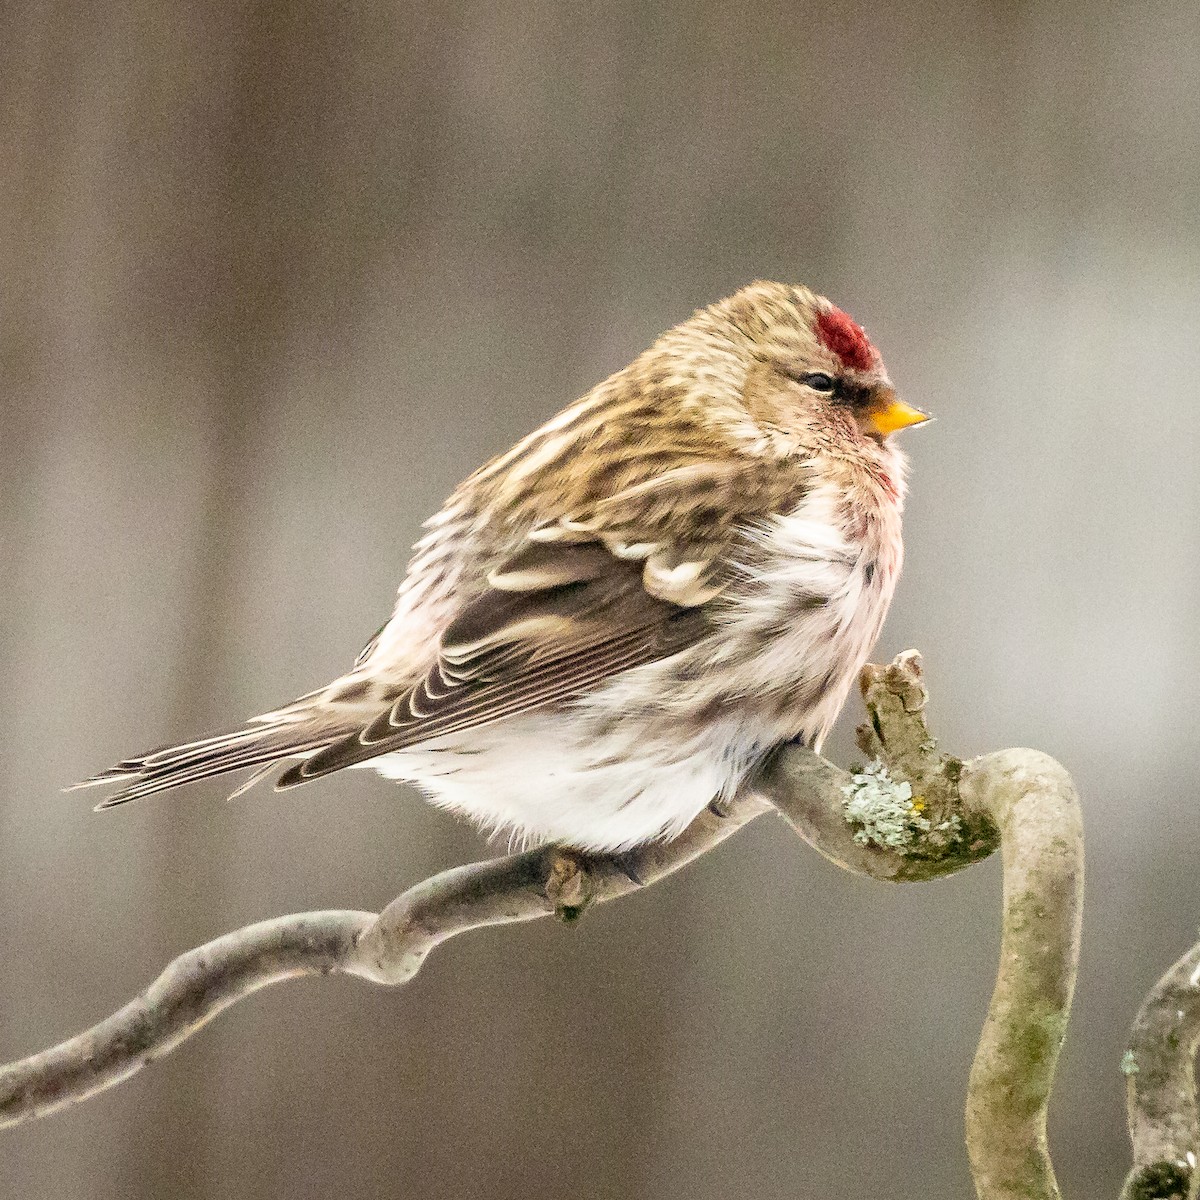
(610, 625)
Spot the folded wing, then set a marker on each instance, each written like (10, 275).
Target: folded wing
(558, 618)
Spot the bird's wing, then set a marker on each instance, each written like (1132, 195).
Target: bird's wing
(585, 597)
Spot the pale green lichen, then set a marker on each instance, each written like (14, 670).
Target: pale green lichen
(887, 814)
(1129, 1063)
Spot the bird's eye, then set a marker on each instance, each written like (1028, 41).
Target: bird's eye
(818, 381)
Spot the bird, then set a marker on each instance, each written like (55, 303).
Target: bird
(612, 625)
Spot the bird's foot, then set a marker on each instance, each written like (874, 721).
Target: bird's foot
(567, 885)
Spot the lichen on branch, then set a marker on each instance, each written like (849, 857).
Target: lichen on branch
(884, 812)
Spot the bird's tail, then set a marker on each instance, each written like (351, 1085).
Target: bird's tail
(290, 733)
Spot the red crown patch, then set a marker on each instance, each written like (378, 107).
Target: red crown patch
(841, 334)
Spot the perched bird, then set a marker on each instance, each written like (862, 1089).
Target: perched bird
(608, 627)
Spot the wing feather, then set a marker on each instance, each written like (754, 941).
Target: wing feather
(585, 596)
(510, 652)
(555, 681)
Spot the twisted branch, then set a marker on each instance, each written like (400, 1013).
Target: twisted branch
(911, 814)
(1160, 1078)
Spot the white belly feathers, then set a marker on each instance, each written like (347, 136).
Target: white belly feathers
(613, 769)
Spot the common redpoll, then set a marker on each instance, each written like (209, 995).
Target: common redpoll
(608, 627)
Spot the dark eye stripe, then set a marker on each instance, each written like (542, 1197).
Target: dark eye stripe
(854, 395)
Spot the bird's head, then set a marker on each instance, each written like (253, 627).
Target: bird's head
(808, 370)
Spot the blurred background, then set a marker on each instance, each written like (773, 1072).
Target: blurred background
(275, 276)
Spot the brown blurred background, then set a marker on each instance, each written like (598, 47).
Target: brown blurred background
(274, 277)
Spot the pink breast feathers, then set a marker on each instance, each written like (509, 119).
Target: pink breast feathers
(841, 334)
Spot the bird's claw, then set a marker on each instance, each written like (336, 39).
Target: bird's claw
(627, 864)
(721, 807)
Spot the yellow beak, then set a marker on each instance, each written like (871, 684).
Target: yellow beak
(889, 413)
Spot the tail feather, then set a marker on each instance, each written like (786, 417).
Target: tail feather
(261, 746)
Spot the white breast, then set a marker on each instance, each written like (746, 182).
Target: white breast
(815, 598)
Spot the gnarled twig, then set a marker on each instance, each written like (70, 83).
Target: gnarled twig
(388, 947)
(1160, 1077)
(1033, 801)
(911, 814)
